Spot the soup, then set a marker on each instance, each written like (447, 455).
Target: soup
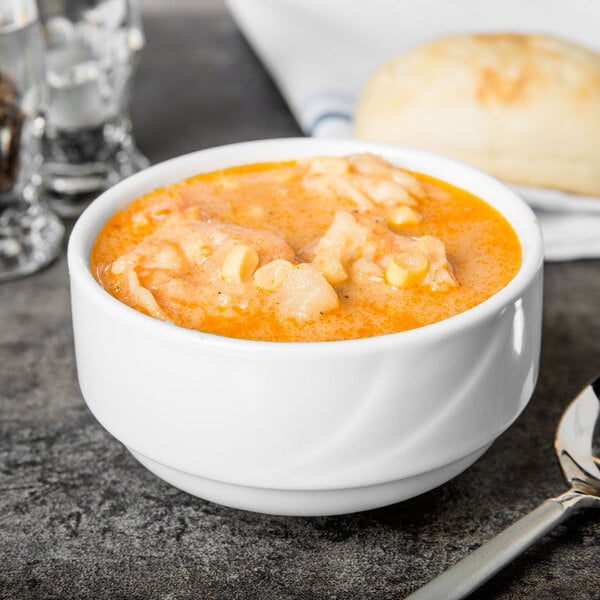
(322, 249)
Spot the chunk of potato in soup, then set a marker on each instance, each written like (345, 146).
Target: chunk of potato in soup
(328, 248)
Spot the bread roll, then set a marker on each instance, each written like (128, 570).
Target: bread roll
(525, 108)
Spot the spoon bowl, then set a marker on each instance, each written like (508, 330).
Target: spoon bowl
(577, 441)
(577, 446)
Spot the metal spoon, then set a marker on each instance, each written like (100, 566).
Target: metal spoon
(577, 446)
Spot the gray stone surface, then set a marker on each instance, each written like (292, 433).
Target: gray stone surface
(80, 518)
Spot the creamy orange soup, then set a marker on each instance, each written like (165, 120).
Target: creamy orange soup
(328, 248)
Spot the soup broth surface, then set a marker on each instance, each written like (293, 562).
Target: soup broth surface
(321, 249)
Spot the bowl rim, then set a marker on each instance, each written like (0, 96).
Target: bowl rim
(123, 193)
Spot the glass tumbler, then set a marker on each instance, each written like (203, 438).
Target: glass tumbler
(30, 234)
(92, 47)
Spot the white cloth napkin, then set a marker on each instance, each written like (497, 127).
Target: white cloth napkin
(321, 53)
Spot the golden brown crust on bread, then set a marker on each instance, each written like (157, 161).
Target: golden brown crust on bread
(524, 107)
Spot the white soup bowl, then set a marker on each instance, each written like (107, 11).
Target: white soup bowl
(308, 428)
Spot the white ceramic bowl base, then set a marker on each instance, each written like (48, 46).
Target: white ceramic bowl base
(308, 503)
(307, 428)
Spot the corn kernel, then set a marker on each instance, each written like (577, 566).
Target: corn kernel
(239, 263)
(406, 270)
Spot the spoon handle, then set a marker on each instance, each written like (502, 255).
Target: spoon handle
(475, 569)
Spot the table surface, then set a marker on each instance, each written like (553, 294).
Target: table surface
(80, 518)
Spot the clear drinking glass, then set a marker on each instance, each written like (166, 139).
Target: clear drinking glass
(30, 234)
(92, 46)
